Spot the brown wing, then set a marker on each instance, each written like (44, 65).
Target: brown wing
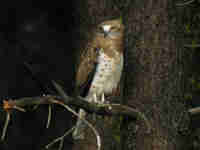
(86, 66)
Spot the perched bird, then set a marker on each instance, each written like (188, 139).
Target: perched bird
(100, 66)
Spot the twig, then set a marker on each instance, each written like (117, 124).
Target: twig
(61, 144)
(81, 103)
(194, 111)
(59, 138)
(85, 121)
(192, 45)
(60, 90)
(45, 89)
(5, 126)
(8, 106)
(109, 109)
(62, 93)
(185, 3)
(49, 116)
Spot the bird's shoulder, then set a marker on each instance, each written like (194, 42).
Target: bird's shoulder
(87, 62)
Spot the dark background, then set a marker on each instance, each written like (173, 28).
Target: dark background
(42, 33)
(45, 34)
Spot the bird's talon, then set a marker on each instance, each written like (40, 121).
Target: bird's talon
(95, 98)
(102, 99)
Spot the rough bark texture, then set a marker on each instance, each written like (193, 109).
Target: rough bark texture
(155, 84)
(153, 71)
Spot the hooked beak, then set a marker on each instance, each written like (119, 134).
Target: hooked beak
(106, 33)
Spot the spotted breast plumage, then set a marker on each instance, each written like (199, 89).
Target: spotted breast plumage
(100, 66)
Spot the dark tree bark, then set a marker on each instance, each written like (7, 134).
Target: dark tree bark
(155, 80)
(153, 74)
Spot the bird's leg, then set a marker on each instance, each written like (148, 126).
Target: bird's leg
(103, 102)
(102, 98)
(95, 98)
(100, 102)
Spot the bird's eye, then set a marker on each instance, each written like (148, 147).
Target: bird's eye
(100, 29)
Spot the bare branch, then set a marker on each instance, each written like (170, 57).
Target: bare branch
(79, 102)
(45, 89)
(109, 109)
(62, 93)
(117, 109)
(61, 144)
(192, 45)
(86, 122)
(59, 138)
(5, 126)
(194, 111)
(49, 116)
(185, 3)
(64, 100)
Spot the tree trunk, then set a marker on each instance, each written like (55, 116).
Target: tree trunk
(154, 84)
(153, 70)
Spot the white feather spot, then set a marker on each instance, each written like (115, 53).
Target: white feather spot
(106, 27)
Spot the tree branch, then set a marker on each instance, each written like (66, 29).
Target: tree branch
(106, 109)
(185, 3)
(194, 111)
(64, 100)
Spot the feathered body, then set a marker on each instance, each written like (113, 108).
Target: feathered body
(103, 59)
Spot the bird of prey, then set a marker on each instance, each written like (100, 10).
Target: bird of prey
(100, 66)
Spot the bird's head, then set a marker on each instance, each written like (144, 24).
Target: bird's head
(111, 29)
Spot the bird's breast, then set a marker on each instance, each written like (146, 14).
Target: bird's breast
(108, 73)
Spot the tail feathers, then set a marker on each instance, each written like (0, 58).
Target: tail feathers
(80, 126)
